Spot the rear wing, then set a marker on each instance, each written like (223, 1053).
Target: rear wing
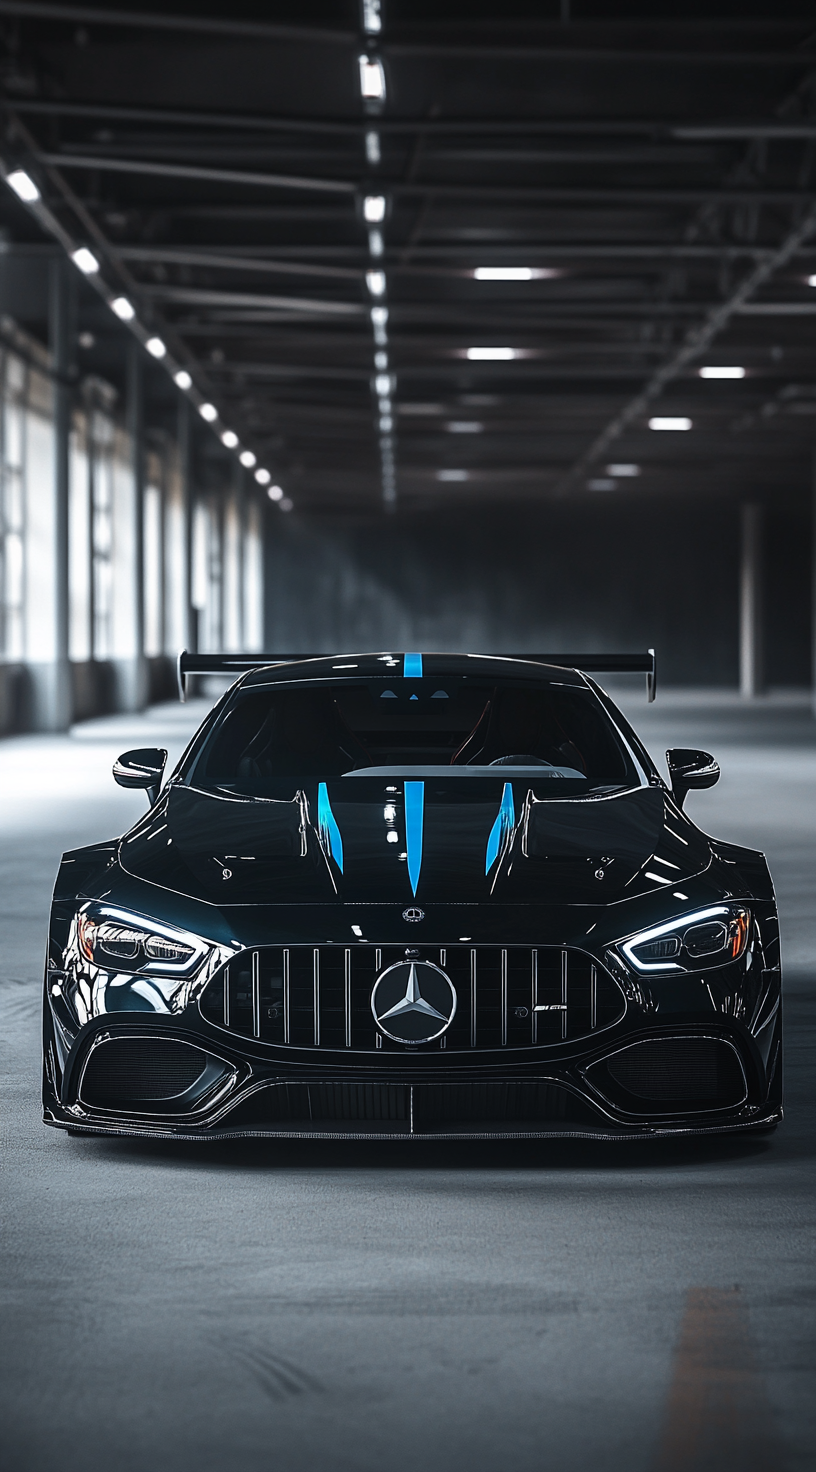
(238, 664)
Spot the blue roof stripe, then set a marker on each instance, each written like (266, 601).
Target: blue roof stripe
(412, 666)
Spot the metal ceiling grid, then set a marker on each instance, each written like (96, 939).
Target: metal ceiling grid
(652, 177)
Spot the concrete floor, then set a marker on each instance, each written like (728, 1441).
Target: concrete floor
(322, 1306)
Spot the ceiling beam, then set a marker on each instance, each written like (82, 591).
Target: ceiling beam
(200, 296)
(656, 129)
(194, 171)
(568, 194)
(228, 260)
(154, 20)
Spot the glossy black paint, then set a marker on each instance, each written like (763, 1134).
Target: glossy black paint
(254, 881)
(143, 767)
(690, 769)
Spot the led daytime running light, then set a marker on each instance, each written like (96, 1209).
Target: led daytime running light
(113, 936)
(682, 923)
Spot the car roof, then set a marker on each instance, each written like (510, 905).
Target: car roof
(397, 665)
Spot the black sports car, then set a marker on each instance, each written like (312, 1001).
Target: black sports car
(402, 896)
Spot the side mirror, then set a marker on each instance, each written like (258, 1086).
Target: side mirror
(688, 769)
(141, 768)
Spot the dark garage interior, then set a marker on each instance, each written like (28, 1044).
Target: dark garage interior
(356, 327)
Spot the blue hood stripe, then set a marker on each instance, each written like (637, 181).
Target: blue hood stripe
(327, 826)
(414, 817)
(502, 828)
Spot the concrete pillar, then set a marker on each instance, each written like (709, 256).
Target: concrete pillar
(47, 477)
(185, 453)
(176, 557)
(128, 542)
(253, 577)
(813, 584)
(752, 653)
(232, 576)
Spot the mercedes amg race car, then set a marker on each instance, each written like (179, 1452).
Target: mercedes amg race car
(401, 896)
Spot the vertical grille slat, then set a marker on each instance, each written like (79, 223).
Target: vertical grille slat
(256, 994)
(593, 997)
(473, 999)
(319, 997)
(316, 995)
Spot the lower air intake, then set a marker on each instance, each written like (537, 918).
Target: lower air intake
(404, 1109)
(132, 1072)
(677, 1075)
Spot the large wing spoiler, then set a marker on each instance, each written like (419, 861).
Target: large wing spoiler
(238, 664)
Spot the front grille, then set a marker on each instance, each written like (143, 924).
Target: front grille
(673, 1074)
(403, 1108)
(126, 1071)
(320, 997)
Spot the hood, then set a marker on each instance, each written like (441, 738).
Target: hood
(398, 840)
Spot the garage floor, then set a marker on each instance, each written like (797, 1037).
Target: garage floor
(310, 1307)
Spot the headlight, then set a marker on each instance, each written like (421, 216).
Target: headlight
(707, 938)
(119, 941)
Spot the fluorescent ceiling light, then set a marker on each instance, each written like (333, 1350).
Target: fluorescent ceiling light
(601, 484)
(156, 347)
(286, 504)
(372, 78)
(23, 185)
(669, 421)
(491, 355)
(229, 438)
(262, 477)
(623, 470)
(124, 309)
(453, 475)
(464, 426)
(275, 493)
(375, 243)
(713, 372)
(375, 281)
(182, 379)
(811, 279)
(382, 383)
(372, 20)
(379, 320)
(85, 260)
(374, 209)
(381, 361)
(247, 459)
(372, 142)
(386, 424)
(514, 273)
(208, 412)
(504, 273)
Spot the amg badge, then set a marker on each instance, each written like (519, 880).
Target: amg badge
(413, 913)
(413, 1002)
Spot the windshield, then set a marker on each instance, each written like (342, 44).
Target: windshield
(271, 742)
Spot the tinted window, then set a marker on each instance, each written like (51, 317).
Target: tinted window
(269, 742)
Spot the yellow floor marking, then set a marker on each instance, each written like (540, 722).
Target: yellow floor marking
(718, 1417)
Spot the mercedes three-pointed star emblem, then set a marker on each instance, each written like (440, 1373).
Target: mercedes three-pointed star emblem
(413, 1002)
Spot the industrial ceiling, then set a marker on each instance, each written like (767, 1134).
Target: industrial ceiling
(421, 253)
